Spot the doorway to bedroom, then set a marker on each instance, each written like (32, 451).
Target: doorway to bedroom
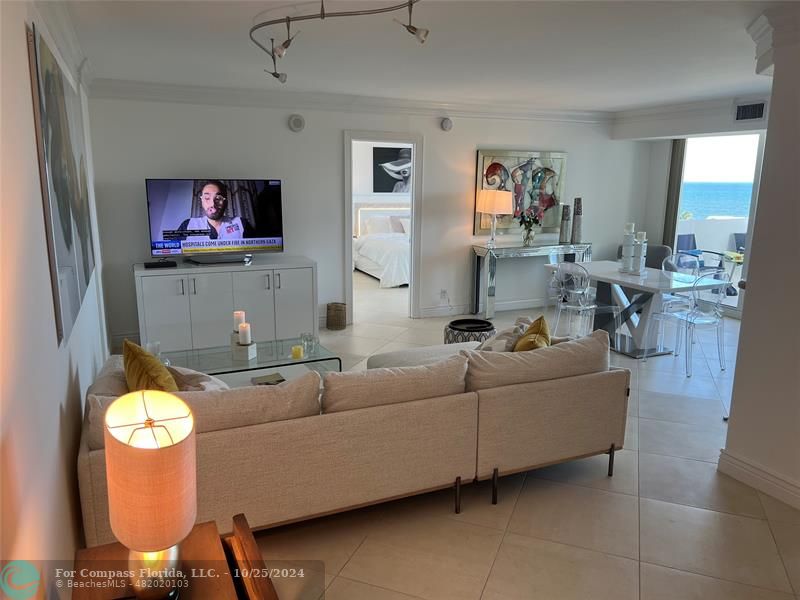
(383, 182)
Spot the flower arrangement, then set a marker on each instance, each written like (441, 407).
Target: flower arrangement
(527, 220)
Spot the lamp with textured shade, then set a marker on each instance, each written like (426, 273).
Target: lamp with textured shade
(152, 482)
(494, 202)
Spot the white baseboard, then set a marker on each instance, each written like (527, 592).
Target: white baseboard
(521, 304)
(445, 311)
(760, 478)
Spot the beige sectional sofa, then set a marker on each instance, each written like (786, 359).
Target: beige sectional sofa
(281, 454)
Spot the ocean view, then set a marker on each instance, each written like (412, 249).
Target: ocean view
(706, 199)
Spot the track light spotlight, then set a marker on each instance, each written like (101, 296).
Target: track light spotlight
(418, 32)
(279, 76)
(280, 51)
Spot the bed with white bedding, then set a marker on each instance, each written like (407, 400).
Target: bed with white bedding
(385, 256)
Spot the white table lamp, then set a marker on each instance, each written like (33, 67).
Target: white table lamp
(494, 202)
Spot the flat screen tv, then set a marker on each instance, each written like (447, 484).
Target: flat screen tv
(214, 216)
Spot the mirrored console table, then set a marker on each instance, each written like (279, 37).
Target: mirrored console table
(484, 269)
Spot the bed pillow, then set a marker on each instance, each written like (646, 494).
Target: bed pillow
(396, 222)
(378, 225)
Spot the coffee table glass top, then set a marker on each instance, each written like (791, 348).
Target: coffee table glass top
(219, 360)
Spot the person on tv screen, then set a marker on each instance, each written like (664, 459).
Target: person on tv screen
(215, 225)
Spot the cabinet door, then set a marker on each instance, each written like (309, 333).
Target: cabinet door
(166, 312)
(253, 292)
(211, 303)
(294, 302)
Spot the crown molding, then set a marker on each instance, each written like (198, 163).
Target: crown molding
(117, 89)
(775, 28)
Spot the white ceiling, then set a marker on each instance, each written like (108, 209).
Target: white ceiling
(553, 55)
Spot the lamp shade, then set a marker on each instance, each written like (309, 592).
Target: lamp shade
(150, 470)
(495, 202)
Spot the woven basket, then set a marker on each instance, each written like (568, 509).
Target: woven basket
(337, 315)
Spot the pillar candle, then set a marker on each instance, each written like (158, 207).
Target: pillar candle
(244, 334)
(641, 236)
(629, 227)
(297, 352)
(238, 319)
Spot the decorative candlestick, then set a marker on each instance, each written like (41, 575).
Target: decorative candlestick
(639, 253)
(563, 236)
(628, 238)
(577, 221)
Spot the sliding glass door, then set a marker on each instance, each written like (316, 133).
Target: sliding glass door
(717, 202)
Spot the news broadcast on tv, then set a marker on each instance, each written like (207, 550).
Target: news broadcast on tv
(196, 216)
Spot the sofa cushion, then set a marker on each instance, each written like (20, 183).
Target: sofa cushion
(415, 357)
(536, 336)
(110, 381)
(144, 371)
(566, 359)
(374, 387)
(229, 409)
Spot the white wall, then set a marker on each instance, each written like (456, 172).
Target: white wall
(41, 384)
(763, 444)
(136, 139)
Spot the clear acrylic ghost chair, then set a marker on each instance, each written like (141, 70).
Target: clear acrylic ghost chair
(573, 296)
(708, 291)
(681, 268)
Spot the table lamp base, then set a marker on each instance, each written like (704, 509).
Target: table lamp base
(155, 575)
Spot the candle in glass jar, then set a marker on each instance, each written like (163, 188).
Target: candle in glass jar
(238, 319)
(297, 352)
(244, 334)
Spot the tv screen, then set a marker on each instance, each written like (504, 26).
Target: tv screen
(199, 216)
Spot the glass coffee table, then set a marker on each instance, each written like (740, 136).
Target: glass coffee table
(271, 357)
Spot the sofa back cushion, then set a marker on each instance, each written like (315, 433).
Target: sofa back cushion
(566, 359)
(229, 409)
(374, 387)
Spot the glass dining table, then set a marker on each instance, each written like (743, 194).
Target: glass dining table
(614, 287)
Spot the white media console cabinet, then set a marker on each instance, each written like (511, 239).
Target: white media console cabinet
(191, 306)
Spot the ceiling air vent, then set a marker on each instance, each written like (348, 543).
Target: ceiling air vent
(750, 112)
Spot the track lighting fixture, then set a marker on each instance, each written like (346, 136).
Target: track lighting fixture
(418, 32)
(279, 76)
(276, 52)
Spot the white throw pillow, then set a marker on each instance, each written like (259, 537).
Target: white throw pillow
(503, 341)
(406, 223)
(378, 225)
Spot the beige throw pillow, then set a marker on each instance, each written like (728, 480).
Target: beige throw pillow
(566, 359)
(230, 409)
(503, 341)
(374, 387)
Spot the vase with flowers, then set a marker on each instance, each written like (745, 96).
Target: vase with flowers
(528, 219)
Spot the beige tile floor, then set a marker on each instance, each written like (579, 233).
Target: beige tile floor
(667, 526)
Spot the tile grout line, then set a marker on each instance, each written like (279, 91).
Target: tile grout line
(505, 531)
(380, 587)
(777, 547)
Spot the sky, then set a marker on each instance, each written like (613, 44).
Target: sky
(729, 158)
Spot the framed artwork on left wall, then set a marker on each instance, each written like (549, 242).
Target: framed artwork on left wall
(535, 178)
(58, 116)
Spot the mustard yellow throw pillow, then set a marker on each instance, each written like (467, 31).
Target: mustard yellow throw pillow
(143, 371)
(536, 336)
